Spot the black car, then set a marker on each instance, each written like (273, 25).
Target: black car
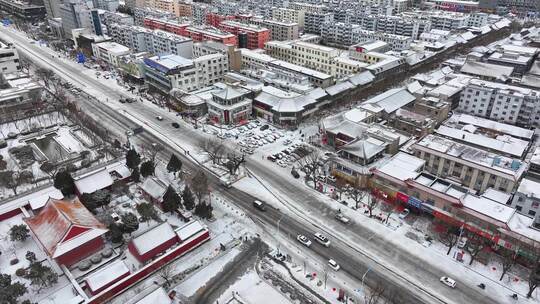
(265, 127)
(295, 174)
(175, 124)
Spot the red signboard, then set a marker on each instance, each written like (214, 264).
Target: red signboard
(402, 197)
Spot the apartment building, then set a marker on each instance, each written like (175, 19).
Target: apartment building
(214, 19)
(199, 12)
(157, 42)
(161, 5)
(339, 33)
(290, 15)
(307, 7)
(313, 21)
(26, 11)
(474, 168)
(501, 102)
(310, 55)
(256, 61)
(249, 35)
(195, 32)
(478, 19)
(442, 20)
(9, 59)
(182, 9)
(109, 51)
(527, 198)
(463, 6)
(398, 25)
(140, 13)
(169, 72)
(279, 30)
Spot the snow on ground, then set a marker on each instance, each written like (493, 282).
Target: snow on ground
(197, 281)
(252, 289)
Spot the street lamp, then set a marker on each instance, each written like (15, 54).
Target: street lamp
(363, 277)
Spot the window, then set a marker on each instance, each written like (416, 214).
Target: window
(532, 212)
(519, 208)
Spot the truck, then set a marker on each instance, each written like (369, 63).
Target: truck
(138, 129)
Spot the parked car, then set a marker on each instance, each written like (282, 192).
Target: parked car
(319, 237)
(295, 174)
(342, 218)
(404, 213)
(271, 158)
(264, 127)
(279, 257)
(331, 179)
(175, 124)
(159, 118)
(448, 282)
(304, 240)
(116, 218)
(259, 205)
(333, 264)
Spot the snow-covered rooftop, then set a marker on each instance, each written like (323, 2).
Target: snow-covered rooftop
(502, 144)
(158, 296)
(402, 166)
(54, 222)
(154, 187)
(93, 181)
(513, 167)
(35, 199)
(497, 196)
(189, 230)
(487, 69)
(392, 99)
(485, 123)
(106, 275)
(488, 207)
(529, 187)
(153, 237)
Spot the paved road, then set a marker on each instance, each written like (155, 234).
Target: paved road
(386, 255)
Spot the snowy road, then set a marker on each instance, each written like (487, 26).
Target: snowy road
(382, 257)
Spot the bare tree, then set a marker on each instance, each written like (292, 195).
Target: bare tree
(475, 244)
(167, 273)
(449, 236)
(356, 194)
(509, 258)
(199, 185)
(388, 209)
(372, 203)
(45, 75)
(310, 165)
(234, 162)
(214, 148)
(340, 187)
(374, 295)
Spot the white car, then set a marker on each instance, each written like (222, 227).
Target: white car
(342, 218)
(159, 118)
(322, 239)
(448, 282)
(335, 266)
(304, 240)
(404, 213)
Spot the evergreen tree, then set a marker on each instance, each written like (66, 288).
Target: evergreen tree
(147, 212)
(41, 275)
(171, 200)
(10, 291)
(19, 233)
(133, 159)
(135, 175)
(64, 182)
(188, 199)
(147, 168)
(174, 165)
(30, 256)
(130, 222)
(115, 233)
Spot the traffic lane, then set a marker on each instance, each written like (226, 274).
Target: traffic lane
(355, 268)
(428, 275)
